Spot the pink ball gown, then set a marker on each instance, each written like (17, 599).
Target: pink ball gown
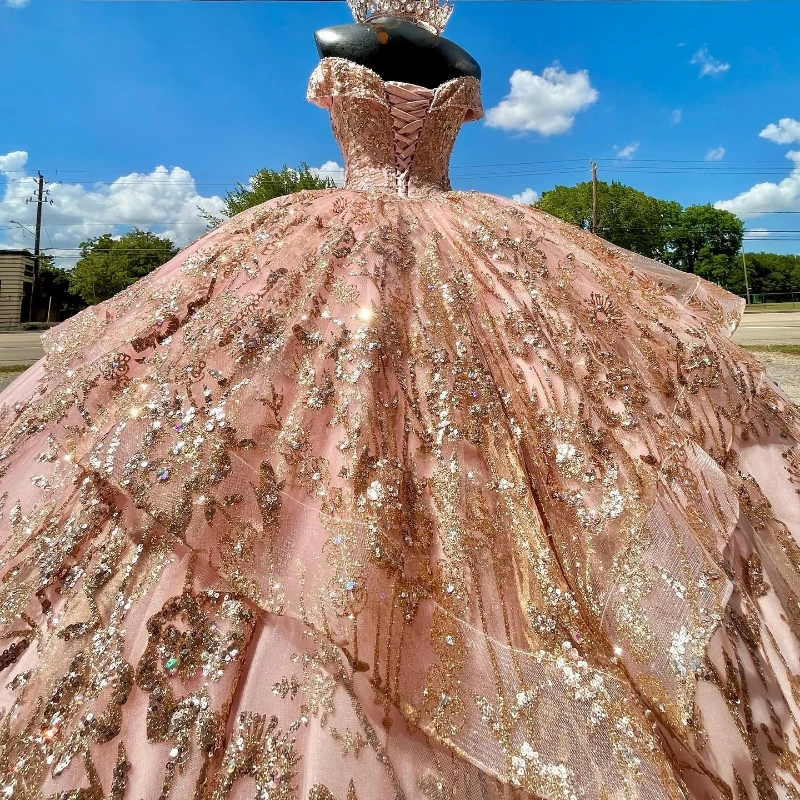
(392, 492)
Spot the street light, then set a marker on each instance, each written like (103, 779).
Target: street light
(19, 224)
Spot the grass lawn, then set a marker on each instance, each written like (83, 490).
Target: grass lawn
(760, 308)
(782, 349)
(13, 369)
(9, 372)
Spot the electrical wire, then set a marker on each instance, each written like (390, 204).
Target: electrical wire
(541, 167)
(518, 168)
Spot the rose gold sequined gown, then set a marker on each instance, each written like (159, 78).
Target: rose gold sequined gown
(396, 492)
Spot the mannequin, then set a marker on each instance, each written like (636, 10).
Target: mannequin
(398, 49)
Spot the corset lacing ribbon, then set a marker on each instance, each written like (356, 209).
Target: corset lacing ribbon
(408, 107)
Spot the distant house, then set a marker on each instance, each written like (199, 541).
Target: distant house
(16, 285)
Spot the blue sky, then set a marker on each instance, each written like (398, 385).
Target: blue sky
(97, 92)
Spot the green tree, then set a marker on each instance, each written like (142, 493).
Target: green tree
(702, 233)
(108, 265)
(700, 239)
(626, 217)
(265, 185)
(725, 270)
(54, 291)
(773, 272)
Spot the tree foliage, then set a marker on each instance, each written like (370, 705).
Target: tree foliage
(55, 290)
(626, 216)
(703, 232)
(771, 272)
(265, 185)
(699, 239)
(108, 265)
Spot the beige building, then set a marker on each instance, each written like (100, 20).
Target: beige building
(16, 284)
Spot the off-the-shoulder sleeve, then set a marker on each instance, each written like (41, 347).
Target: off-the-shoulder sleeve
(460, 93)
(338, 77)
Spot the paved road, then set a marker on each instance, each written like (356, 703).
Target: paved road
(20, 348)
(756, 329)
(769, 328)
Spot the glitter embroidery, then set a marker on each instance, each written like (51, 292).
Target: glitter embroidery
(424, 495)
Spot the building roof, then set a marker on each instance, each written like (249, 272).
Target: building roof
(11, 252)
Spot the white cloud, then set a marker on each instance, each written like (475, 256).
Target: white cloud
(676, 116)
(764, 198)
(12, 165)
(164, 201)
(627, 151)
(757, 233)
(715, 154)
(545, 103)
(526, 196)
(330, 169)
(785, 132)
(708, 64)
(16, 3)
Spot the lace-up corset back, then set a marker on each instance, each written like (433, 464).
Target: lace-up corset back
(394, 136)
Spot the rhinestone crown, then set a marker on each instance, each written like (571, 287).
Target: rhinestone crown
(429, 14)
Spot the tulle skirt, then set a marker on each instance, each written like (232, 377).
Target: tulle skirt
(362, 497)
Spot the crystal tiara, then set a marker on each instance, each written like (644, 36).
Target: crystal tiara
(429, 14)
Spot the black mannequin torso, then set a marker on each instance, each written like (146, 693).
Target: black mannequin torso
(398, 50)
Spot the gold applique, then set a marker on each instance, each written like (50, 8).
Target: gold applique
(319, 792)
(350, 742)
(262, 751)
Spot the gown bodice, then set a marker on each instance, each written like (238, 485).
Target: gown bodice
(394, 136)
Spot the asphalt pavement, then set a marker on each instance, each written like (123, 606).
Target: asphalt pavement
(758, 329)
(20, 347)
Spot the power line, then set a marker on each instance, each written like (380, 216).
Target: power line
(199, 221)
(675, 233)
(119, 249)
(628, 163)
(459, 173)
(454, 174)
(582, 160)
(521, 167)
(49, 238)
(94, 224)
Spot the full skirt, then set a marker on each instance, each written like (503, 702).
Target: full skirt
(363, 497)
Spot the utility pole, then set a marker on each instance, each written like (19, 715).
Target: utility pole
(746, 284)
(594, 197)
(40, 200)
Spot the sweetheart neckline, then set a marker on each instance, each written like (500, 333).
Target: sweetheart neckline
(436, 91)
